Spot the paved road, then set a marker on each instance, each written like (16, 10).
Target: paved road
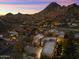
(68, 29)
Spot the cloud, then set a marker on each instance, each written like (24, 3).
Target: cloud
(26, 9)
(65, 2)
(62, 2)
(27, 6)
(26, 0)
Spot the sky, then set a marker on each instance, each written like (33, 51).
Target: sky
(29, 6)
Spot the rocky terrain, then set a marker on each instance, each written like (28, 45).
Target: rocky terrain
(67, 16)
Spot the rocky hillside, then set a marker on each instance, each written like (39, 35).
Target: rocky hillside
(67, 16)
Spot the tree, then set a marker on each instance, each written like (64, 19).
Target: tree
(70, 48)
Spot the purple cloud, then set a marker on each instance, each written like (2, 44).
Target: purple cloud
(25, 9)
(62, 2)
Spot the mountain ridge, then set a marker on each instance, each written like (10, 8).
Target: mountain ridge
(53, 12)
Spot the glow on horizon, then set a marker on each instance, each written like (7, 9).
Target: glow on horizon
(24, 9)
(23, 12)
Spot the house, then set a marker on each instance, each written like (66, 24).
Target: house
(76, 36)
(49, 47)
(37, 39)
(33, 51)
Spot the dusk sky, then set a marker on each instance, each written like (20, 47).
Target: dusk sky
(28, 6)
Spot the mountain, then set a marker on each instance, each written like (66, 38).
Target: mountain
(61, 14)
(52, 6)
(53, 13)
(16, 20)
(74, 5)
(55, 10)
